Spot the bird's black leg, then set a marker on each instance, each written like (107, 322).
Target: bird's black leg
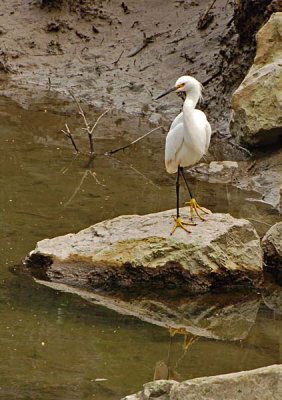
(178, 222)
(177, 185)
(194, 206)
(186, 182)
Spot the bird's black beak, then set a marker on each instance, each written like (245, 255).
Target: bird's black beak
(173, 89)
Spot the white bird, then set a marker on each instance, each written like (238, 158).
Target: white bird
(187, 140)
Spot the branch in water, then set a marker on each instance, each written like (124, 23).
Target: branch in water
(109, 153)
(87, 128)
(69, 135)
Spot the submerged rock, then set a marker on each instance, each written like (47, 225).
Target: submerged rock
(262, 383)
(137, 252)
(272, 246)
(257, 103)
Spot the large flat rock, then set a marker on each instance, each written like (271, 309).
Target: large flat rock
(258, 384)
(137, 252)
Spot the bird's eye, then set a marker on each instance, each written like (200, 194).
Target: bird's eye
(180, 86)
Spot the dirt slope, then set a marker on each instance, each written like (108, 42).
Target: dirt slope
(89, 46)
(86, 45)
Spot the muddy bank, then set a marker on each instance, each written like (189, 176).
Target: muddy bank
(94, 49)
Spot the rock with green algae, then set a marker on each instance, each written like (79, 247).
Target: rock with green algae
(135, 252)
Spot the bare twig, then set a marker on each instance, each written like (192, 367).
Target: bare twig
(98, 119)
(131, 143)
(179, 39)
(69, 135)
(146, 41)
(89, 161)
(119, 57)
(206, 17)
(137, 172)
(87, 128)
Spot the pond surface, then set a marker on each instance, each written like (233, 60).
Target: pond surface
(55, 345)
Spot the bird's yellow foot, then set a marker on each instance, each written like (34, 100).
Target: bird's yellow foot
(188, 341)
(194, 207)
(180, 224)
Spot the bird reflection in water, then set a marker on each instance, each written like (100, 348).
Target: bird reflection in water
(163, 369)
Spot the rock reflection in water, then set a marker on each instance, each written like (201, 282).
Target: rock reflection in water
(227, 316)
(272, 297)
(224, 317)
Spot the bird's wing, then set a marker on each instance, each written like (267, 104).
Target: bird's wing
(174, 141)
(208, 133)
(201, 117)
(177, 120)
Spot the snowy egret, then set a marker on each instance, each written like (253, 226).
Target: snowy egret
(187, 141)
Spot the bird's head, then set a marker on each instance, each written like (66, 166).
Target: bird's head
(185, 84)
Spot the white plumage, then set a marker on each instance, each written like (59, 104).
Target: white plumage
(189, 136)
(187, 141)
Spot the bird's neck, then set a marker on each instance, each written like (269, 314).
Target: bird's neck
(190, 101)
(189, 120)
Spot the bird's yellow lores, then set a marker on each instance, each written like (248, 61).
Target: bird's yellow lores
(187, 141)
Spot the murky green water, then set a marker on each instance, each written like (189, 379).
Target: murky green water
(56, 345)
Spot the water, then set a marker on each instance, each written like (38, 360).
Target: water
(56, 345)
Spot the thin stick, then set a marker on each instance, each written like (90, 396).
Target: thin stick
(86, 123)
(137, 172)
(131, 143)
(146, 41)
(119, 57)
(98, 119)
(204, 18)
(81, 112)
(69, 135)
